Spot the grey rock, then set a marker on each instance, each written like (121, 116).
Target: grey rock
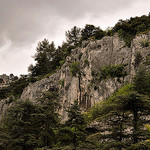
(99, 53)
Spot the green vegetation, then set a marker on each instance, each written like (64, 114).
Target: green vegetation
(121, 120)
(138, 59)
(75, 68)
(73, 36)
(45, 58)
(142, 81)
(61, 62)
(73, 131)
(80, 55)
(90, 31)
(86, 62)
(113, 71)
(144, 43)
(148, 140)
(128, 29)
(49, 58)
(61, 82)
(27, 125)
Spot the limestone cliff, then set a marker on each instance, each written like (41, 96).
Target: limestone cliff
(91, 56)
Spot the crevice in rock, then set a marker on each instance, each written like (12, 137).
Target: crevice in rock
(130, 64)
(111, 50)
(79, 78)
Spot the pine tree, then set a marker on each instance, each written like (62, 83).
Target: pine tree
(90, 31)
(44, 57)
(28, 126)
(49, 117)
(18, 127)
(73, 36)
(76, 123)
(124, 115)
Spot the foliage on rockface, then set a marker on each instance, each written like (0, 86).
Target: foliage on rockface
(114, 71)
(110, 71)
(73, 131)
(128, 29)
(45, 58)
(75, 68)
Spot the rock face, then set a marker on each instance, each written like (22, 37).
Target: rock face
(91, 56)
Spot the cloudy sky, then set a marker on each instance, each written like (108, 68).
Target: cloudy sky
(23, 23)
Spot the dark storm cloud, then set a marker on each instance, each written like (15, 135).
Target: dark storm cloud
(24, 22)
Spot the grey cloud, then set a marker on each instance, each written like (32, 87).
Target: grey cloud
(23, 22)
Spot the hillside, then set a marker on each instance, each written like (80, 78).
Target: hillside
(81, 76)
(87, 87)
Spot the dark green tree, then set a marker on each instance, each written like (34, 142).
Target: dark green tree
(28, 126)
(44, 57)
(90, 31)
(19, 127)
(73, 36)
(49, 104)
(99, 33)
(76, 123)
(141, 81)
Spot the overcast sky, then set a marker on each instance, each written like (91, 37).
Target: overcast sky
(23, 23)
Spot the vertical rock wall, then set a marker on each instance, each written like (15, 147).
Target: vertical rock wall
(91, 56)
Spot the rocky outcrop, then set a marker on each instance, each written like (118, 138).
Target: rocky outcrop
(91, 56)
(4, 105)
(6, 80)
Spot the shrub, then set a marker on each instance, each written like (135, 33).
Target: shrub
(74, 68)
(61, 82)
(86, 61)
(15, 88)
(125, 36)
(141, 28)
(129, 28)
(61, 62)
(144, 43)
(147, 61)
(93, 73)
(112, 71)
(109, 31)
